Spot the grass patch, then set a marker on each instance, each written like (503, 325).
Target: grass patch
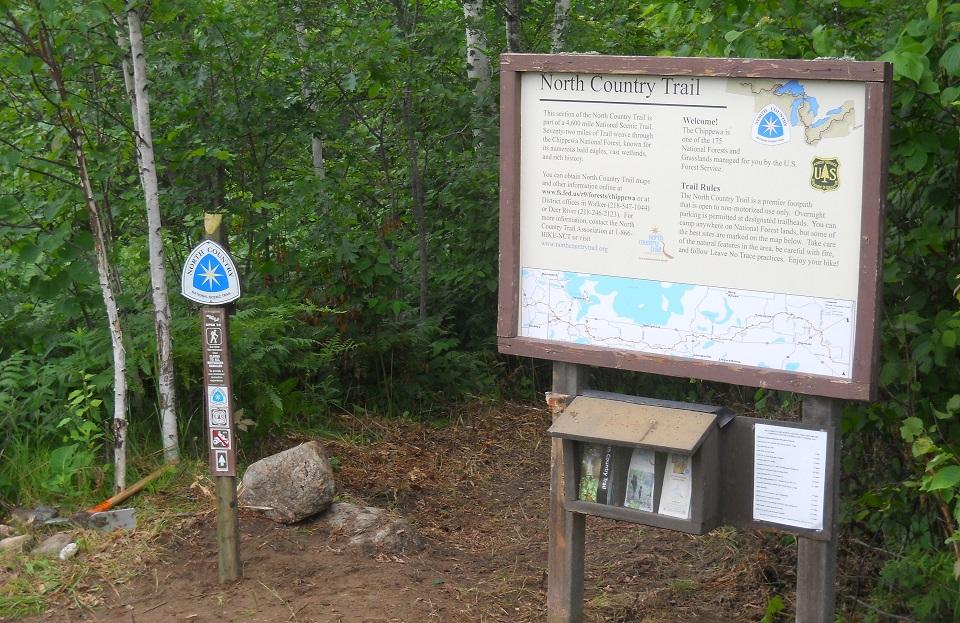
(31, 585)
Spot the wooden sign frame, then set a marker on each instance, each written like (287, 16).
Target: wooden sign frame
(877, 79)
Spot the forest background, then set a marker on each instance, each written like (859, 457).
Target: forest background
(353, 151)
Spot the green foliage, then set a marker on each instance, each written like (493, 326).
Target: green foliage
(774, 607)
(330, 265)
(922, 581)
(283, 364)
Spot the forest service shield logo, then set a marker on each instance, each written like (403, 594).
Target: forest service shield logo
(825, 174)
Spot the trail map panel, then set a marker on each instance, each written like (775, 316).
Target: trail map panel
(718, 219)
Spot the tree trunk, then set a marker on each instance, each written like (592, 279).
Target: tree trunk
(66, 118)
(561, 20)
(478, 65)
(417, 190)
(316, 143)
(158, 272)
(513, 25)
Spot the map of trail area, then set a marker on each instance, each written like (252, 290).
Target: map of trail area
(801, 108)
(801, 334)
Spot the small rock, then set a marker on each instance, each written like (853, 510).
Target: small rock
(69, 551)
(53, 544)
(372, 528)
(290, 485)
(34, 516)
(16, 544)
(6, 531)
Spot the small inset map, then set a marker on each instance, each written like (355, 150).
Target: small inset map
(802, 334)
(804, 109)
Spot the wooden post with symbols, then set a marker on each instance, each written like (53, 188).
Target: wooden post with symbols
(210, 278)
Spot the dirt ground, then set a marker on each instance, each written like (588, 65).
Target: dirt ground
(477, 491)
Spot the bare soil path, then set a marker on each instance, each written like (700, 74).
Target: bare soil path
(477, 491)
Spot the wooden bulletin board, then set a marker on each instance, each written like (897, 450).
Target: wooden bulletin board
(710, 218)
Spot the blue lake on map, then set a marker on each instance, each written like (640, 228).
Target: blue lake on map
(643, 301)
(715, 318)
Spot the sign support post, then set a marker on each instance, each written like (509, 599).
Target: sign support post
(817, 560)
(210, 278)
(229, 567)
(567, 529)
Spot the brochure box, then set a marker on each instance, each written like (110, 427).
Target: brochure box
(645, 461)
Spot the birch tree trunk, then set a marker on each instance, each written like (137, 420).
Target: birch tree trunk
(316, 143)
(478, 65)
(140, 105)
(513, 25)
(66, 118)
(101, 247)
(561, 19)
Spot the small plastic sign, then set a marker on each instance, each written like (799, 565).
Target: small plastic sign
(221, 461)
(209, 276)
(220, 439)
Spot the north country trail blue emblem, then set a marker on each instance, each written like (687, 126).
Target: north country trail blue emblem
(209, 275)
(770, 126)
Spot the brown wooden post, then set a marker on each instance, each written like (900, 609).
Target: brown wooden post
(565, 557)
(229, 567)
(817, 560)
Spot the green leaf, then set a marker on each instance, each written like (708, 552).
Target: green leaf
(912, 426)
(953, 405)
(908, 64)
(946, 478)
(733, 35)
(950, 61)
(949, 96)
(949, 338)
(922, 446)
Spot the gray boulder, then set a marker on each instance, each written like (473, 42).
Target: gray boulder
(290, 485)
(371, 528)
(16, 544)
(53, 544)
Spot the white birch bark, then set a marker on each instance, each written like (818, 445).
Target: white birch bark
(561, 19)
(140, 105)
(101, 247)
(478, 65)
(316, 143)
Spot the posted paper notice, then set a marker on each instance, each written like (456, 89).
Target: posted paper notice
(675, 499)
(789, 475)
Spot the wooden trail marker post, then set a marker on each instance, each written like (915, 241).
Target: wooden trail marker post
(210, 278)
(719, 219)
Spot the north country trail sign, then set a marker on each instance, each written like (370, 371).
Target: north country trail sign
(209, 276)
(718, 219)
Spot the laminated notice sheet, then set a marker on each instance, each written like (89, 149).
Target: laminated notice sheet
(675, 498)
(641, 480)
(789, 471)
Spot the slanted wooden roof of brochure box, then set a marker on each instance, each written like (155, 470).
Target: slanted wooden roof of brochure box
(638, 425)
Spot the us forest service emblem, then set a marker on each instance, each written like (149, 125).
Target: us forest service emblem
(825, 174)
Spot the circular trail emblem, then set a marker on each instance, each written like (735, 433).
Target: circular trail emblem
(209, 275)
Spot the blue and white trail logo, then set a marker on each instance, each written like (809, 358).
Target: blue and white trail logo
(209, 276)
(770, 126)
